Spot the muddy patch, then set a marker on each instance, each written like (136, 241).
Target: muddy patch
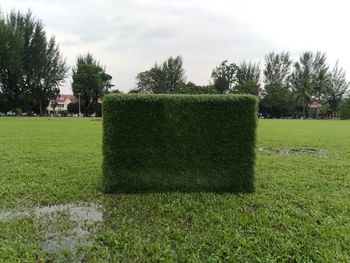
(66, 226)
(293, 150)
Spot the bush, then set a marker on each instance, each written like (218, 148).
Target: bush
(344, 109)
(18, 112)
(178, 142)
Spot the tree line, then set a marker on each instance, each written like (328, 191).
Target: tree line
(286, 88)
(32, 69)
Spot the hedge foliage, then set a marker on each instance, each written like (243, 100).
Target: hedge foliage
(178, 143)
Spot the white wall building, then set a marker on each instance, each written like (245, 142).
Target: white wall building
(60, 104)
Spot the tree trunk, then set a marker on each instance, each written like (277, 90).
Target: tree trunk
(304, 112)
(87, 106)
(17, 100)
(40, 108)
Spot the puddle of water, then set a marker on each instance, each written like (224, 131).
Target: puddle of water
(296, 150)
(58, 241)
(84, 218)
(89, 213)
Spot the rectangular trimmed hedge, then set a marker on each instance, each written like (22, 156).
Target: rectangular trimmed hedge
(178, 143)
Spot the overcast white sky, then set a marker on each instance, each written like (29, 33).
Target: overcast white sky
(129, 36)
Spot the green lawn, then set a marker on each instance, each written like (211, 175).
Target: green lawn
(300, 211)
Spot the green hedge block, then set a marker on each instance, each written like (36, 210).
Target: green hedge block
(178, 143)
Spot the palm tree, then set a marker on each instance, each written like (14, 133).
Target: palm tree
(302, 94)
(310, 78)
(322, 82)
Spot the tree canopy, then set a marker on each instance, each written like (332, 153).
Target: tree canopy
(31, 65)
(248, 79)
(224, 76)
(309, 78)
(90, 81)
(337, 88)
(164, 78)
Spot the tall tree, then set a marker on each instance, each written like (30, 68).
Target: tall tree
(164, 78)
(90, 81)
(248, 79)
(277, 100)
(277, 69)
(51, 75)
(338, 87)
(33, 67)
(11, 61)
(174, 73)
(225, 77)
(322, 82)
(305, 79)
(152, 81)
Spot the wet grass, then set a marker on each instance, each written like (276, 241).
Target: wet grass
(299, 213)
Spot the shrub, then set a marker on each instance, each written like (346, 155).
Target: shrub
(18, 112)
(178, 142)
(344, 109)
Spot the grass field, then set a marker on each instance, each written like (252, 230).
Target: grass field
(300, 211)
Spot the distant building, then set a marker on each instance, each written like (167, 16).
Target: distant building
(315, 109)
(60, 104)
(315, 105)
